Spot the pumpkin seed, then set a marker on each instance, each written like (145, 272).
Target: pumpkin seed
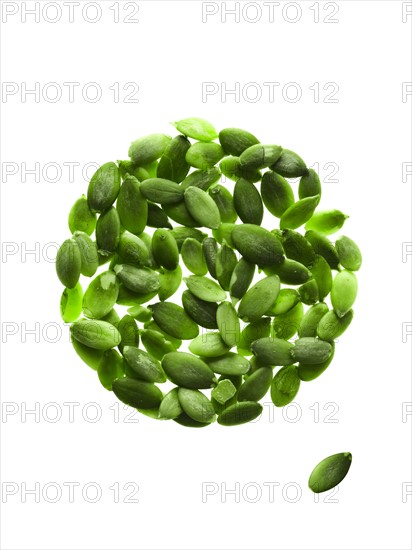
(330, 472)
(349, 254)
(193, 258)
(210, 248)
(257, 245)
(110, 368)
(90, 356)
(344, 291)
(234, 141)
(228, 323)
(68, 263)
(331, 326)
(209, 344)
(132, 206)
(88, 252)
(310, 372)
(174, 320)
(202, 178)
(290, 272)
(286, 300)
(71, 303)
(229, 364)
(241, 279)
(165, 250)
(247, 202)
(259, 298)
(196, 128)
(203, 313)
(326, 222)
(81, 218)
(285, 386)
(260, 156)
(323, 276)
(289, 165)
(233, 169)
(202, 207)
(205, 288)
(299, 213)
(277, 194)
(132, 250)
(182, 233)
(136, 393)
(101, 295)
(285, 326)
(308, 325)
(170, 407)
(256, 386)
(149, 148)
(204, 155)
(322, 246)
(156, 344)
(240, 413)
(196, 405)
(143, 366)
(156, 217)
(129, 332)
(172, 165)
(297, 248)
(162, 191)
(226, 262)
(309, 292)
(104, 187)
(95, 334)
(108, 232)
(141, 280)
(273, 351)
(309, 185)
(224, 391)
(311, 351)
(187, 371)
(224, 202)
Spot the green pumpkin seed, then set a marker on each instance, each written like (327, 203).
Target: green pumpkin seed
(344, 291)
(149, 148)
(104, 187)
(241, 279)
(240, 413)
(299, 213)
(290, 272)
(232, 169)
(203, 313)
(170, 407)
(169, 282)
(209, 344)
(193, 258)
(180, 214)
(110, 368)
(156, 217)
(140, 313)
(152, 325)
(165, 250)
(229, 364)
(234, 141)
(308, 325)
(196, 128)
(331, 326)
(128, 298)
(129, 168)
(205, 288)
(224, 391)
(256, 386)
(156, 344)
(174, 320)
(297, 248)
(257, 245)
(202, 178)
(285, 326)
(309, 292)
(247, 202)
(289, 165)
(81, 218)
(137, 394)
(285, 386)
(251, 332)
(101, 295)
(196, 405)
(162, 191)
(286, 300)
(147, 239)
(185, 420)
(322, 246)
(108, 232)
(277, 194)
(140, 280)
(202, 207)
(88, 252)
(260, 156)
(88, 355)
(326, 222)
(203, 155)
(311, 372)
(349, 254)
(224, 202)
(187, 371)
(132, 206)
(226, 262)
(323, 276)
(132, 250)
(273, 351)
(68, 263)
(182, 233)
(224, 233)
(311, 351)
(228, 323)
(210, 248)
(143, 366)
(71, 303)
(172, 165)
(95, 334)
(330, 472)
(309, 185)
(129, 332)
(259, 298)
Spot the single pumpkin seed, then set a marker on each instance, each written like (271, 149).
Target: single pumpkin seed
(182, 233)
(196, 405)
(323, 276)
(170, 407)
(349, 253)
(309, 185)
(88, 252)
(308, 325)
(228, 323)
(259, 298)
(202, 207)
(156, 343)
(142, 365)
(257, 245)
(203, 313)
(202, 178)
(172, 165)
(231, 364)
(331, 326)
(273, 351)
(169, 282)
(234, 141)
(90, 356)
(210, 248)
(309, 292)
(241, 279)
(256, 386)
(205, 288)
(299, 213)
(165, 250)
(285, 386)
(196, 128)
(68, 263)
(240, 413)
(248, 202)
(174, 320)
(148, 149)
(101, 295)
(330, 472)
(311, 351)
(156, 216)
(81, 218)
(209, 344)
(104, 187)
(260, 156)
(108, 232)
(129, 332)
(344, 291)
(226, 262)
(71, 303)
(132, 250)
(163, 191)
(187, 371)
(277, 194)
(285, 326)
(326, 222)
(224, 202)
(193, 258)
(136, 393)
(140, 280)
(132, 206)
(204, 155)
(110, 368)
(322, 246)
(290, 165)
(95, 334)
(286, 300)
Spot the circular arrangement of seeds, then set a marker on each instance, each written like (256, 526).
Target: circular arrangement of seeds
(246, 286)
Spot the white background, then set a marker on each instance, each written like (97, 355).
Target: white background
(169, 53)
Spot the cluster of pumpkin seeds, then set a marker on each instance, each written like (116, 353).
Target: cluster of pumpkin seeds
(239, 329)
